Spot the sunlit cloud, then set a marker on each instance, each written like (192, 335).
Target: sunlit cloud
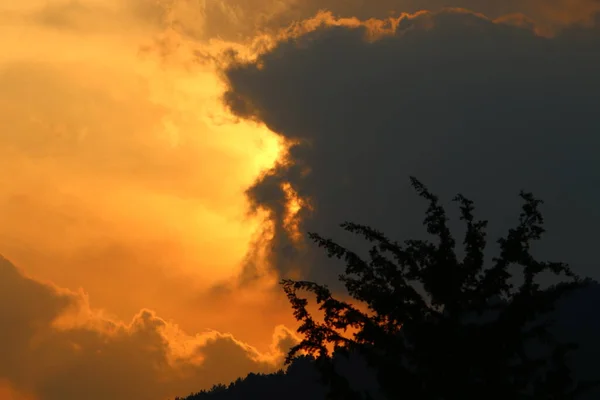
(126, 189)
(117, 166)
(55, 346)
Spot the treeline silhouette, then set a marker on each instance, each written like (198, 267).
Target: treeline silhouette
(300, 381)
(438, 326)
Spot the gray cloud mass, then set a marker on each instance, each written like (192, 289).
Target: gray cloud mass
(463, 103)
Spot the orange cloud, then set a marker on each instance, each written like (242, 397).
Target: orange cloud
(125, 176)
(122, 176)
(240, 20)
(55, 346)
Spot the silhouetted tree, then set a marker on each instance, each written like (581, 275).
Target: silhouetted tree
(469, 333)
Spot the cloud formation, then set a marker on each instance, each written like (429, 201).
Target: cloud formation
(114, 164)
(464, 103)
(241, 19)
(124, 175)
(55, 347)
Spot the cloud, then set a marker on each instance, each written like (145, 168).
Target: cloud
(55, 346)
(241, 19)
(122, 175)
(464, 103)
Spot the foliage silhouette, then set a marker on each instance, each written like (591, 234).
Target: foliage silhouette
(469, 335)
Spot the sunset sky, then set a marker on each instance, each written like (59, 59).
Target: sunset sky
(155, 185)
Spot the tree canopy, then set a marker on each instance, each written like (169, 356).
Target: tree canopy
(439, 326)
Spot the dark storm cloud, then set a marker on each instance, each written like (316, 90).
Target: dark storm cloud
(464, 104)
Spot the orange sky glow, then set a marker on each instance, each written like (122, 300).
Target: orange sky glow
(124, 176)
(122, 189)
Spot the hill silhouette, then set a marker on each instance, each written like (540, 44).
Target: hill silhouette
(300, 381)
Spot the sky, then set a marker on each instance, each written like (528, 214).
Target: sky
(156, 185)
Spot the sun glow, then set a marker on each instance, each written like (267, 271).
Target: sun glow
(121, 166)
